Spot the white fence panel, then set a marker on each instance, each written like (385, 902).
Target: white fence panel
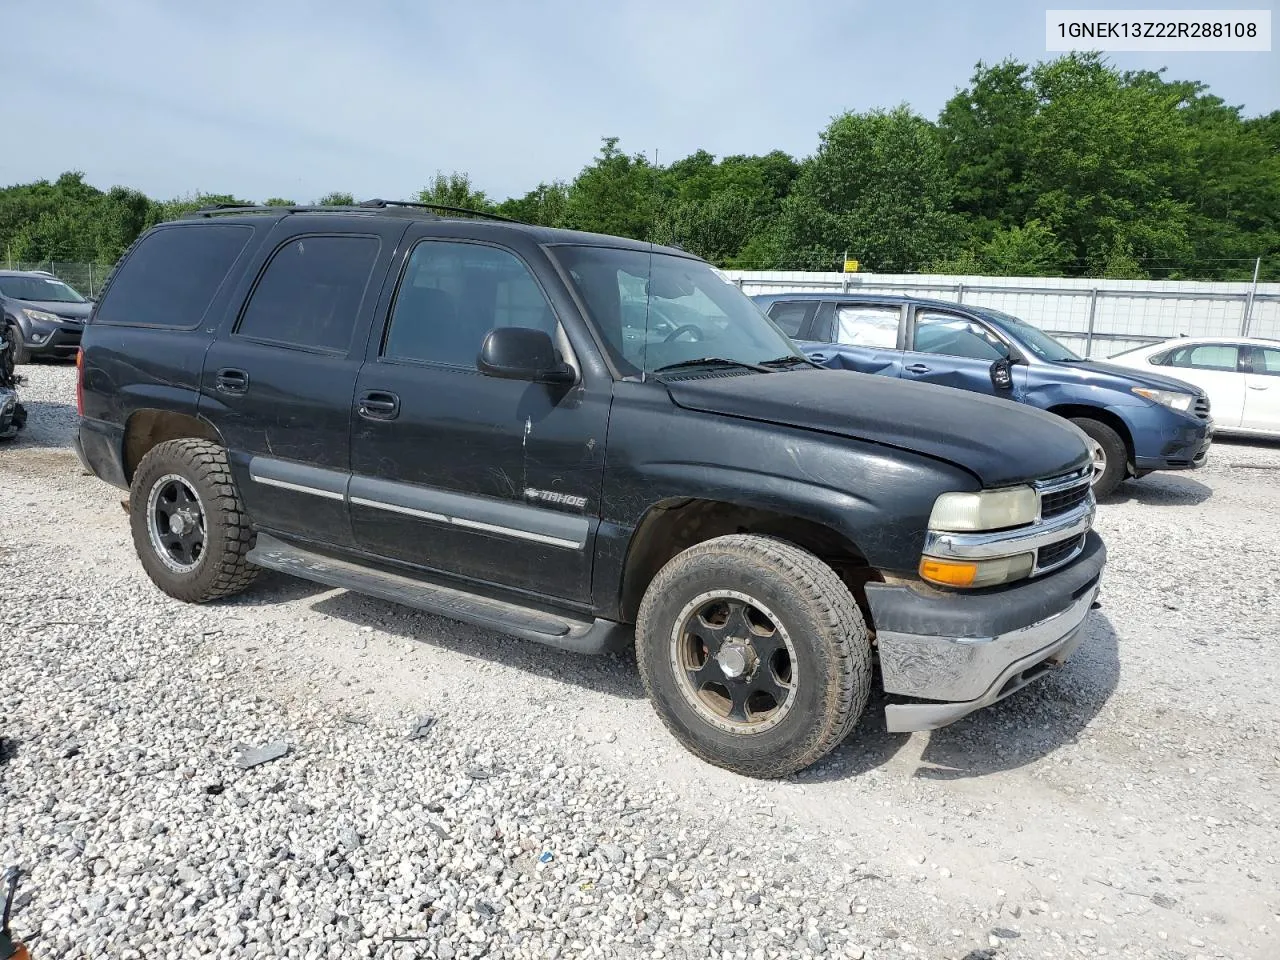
(1099, 318)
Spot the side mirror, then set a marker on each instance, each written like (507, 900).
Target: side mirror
(1002, 374)
(519, 353)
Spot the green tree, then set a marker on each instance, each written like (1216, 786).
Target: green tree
(719, 209)
(336, 199)
(547, 204)
(454, 190)
(986, 135)
(181, 206)
(122, 215)
(1106, 151)
(716, 228)
(878, 188)
(615, 194)
(278, 202)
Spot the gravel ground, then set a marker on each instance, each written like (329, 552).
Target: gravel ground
(1122, 807)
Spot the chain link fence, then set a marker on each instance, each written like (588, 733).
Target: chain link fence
(85, 278)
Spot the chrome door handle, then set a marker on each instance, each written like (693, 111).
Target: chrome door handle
(1258, 386)
(917, 368)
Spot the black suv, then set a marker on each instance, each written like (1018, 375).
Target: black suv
(588, 442)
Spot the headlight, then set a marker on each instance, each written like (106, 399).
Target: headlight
(976, 573)
(1169, 398)
(985, 510)
(41, 315)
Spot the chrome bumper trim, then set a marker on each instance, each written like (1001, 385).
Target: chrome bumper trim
(973, 669)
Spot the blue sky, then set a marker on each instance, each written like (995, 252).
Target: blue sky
(292, 98)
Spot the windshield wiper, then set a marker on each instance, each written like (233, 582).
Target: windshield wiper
(790, 360)
(713, 362)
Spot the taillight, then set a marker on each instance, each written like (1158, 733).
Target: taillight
(80, 382)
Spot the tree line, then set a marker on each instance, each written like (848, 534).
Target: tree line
(1069, 167)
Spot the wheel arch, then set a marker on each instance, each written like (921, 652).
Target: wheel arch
(673, 525)
(1070, 411)
(149, 426)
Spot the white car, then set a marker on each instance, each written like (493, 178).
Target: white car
(1241, 375)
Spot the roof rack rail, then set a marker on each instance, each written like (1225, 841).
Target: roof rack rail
(363, 207)
(378, 202)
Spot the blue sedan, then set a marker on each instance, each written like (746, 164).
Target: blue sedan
(1139, 421)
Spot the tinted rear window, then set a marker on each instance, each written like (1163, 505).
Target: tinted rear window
(310, 293)
(170, 278)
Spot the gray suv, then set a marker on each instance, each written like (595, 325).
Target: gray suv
(43, 317)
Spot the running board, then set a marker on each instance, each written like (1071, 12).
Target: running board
(528, 623)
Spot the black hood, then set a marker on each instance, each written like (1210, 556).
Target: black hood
(71, 311)
(999, 441)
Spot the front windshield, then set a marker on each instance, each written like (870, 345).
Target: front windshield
(1033, 338)
(655, 309)
(38, 288)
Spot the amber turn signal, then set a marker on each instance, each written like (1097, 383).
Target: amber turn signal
(948, 573)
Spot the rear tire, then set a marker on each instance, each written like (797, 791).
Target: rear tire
(754, 654)
(189, 526)
(1109, 472)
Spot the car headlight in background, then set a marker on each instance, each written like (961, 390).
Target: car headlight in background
(41, 315)
(985, 510)
(1169, 398)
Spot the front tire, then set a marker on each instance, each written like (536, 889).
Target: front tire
(1110, 456)
(189, 527)
(18, 352)
(754, 654)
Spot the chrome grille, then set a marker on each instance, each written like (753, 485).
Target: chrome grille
(1059, 495)
(1058, 502)
(1058, 553)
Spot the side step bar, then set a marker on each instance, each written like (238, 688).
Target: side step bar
(528, 623)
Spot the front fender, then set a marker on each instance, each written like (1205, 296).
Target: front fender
(877, 498)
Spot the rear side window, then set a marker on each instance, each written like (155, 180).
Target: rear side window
(1207, 356)
(867, 326)
(453, 294)
(1266, 361)
(310, 294)
(790, 317)
(171, 277)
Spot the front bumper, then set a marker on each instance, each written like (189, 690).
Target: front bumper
(969, 650)
(1180, 443)
(42, 338)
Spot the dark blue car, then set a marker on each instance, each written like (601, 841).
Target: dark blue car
(1139, 421)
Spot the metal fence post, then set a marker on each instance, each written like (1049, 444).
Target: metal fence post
(1248, 301)
(1093, 310)
(91, 280)
(959, 293)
